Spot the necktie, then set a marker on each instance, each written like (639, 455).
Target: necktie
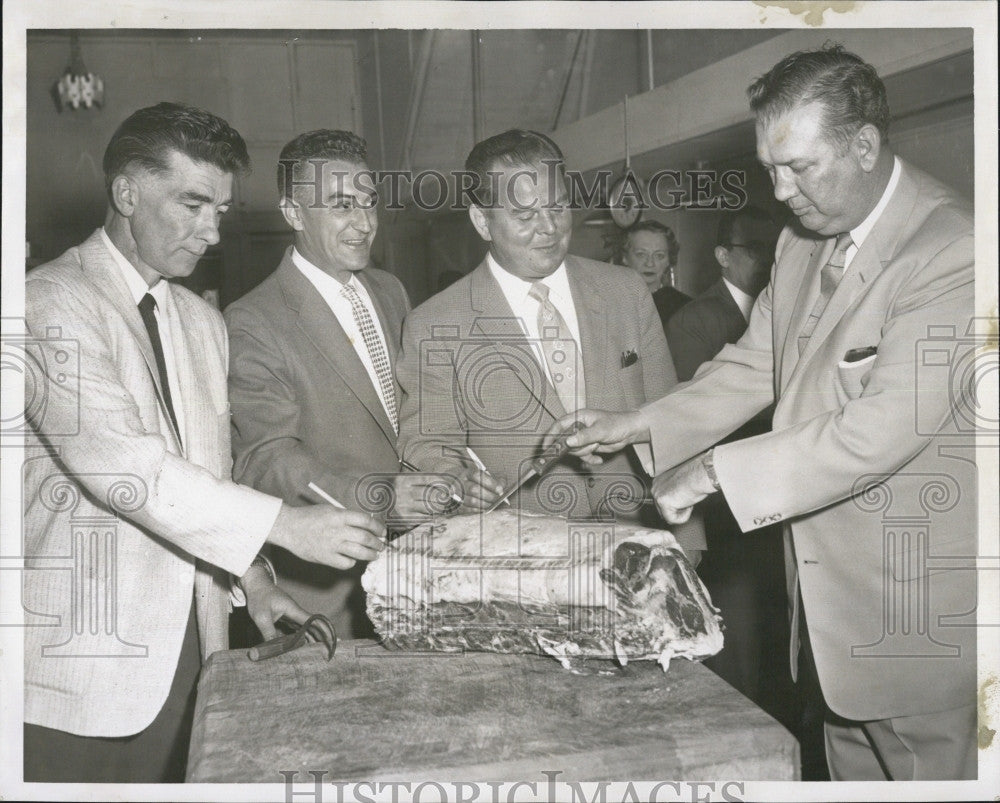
(829, 278)
(376, 351)
(146, 306)
(560, 350)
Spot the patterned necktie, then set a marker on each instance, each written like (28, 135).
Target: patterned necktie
(565, 369)
(147, 305)
(829, 278)
(376, 351)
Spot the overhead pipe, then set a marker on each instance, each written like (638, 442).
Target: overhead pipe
(417, 97)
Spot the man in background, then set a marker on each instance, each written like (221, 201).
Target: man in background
(651, 249)
(879, 261)
(135, 428)
(312, 351)
(531, 334)
(699, 329)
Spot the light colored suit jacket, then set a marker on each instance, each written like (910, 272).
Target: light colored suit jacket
(469, 378)
(305, 410)
(871, 464)
(114, 507)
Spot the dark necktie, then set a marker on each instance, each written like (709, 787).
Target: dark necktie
(829, 278)
(376, 351)
(565, 370)
(147, 305)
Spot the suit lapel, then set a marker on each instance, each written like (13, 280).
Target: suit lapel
(496, 322)
(320, 326)
(875, 252)
(807, 280)
(101, 269)
(593, 321)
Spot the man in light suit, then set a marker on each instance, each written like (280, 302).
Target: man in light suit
(129, 471)
(489, 363)
(870, 463)
(309, 402)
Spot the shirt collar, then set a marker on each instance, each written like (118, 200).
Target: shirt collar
(136, 284)
(516, 287)
(864, 228)
(318, 275)
(743, 300)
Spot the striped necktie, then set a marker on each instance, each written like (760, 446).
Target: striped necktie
(565, 369)
(829, 278)
(376, 351)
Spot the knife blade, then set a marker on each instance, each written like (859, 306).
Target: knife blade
(539, 465)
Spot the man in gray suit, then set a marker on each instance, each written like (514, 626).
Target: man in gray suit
(532, 333)
(312, 350)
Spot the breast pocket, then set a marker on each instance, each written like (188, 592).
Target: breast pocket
(852, 377)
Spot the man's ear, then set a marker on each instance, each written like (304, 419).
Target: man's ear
(480, 221)
(124, 194)
(722, 256)
(290, 212)
(867, 145)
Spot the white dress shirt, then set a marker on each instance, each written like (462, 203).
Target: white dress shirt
(165, 314)
(515, 290)
(743, 300)
(330, 289)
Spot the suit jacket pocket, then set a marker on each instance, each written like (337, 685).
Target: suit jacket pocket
(852, 378)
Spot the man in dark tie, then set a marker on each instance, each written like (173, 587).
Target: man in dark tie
(869, 422)
(312, 350)
(130, 473)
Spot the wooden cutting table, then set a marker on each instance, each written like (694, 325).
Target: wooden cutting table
(371, 715)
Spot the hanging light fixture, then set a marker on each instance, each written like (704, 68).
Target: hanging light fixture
(78, 86)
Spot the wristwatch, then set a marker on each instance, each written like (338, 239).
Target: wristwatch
(707, 460)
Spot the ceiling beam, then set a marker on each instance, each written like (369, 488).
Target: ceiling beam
(714, 97)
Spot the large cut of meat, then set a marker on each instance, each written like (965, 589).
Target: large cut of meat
(516, 582)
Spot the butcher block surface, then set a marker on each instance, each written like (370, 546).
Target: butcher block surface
(372, 714)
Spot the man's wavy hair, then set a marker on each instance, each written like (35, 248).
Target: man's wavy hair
(849, 89)
(147, 137)
(323, 143)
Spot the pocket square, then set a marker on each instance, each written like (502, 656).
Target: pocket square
(857, 355)
(629, 358)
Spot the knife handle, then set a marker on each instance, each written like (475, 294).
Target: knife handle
(555, 450)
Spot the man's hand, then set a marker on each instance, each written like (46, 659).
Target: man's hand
(420, 494)
(602, 431)
(678, 490)
(324, 534)
(266, 603)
